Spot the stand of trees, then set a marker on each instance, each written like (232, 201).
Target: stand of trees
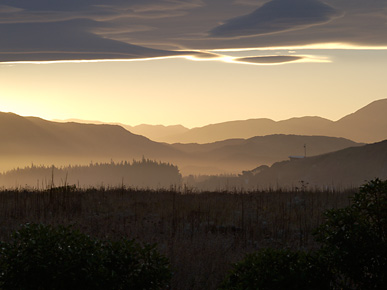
(142, 174)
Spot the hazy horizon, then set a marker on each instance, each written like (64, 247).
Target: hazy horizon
(191, 62)
(101, 121)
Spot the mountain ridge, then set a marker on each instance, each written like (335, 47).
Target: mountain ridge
(39, 140)
(29, 140)
(365, 125)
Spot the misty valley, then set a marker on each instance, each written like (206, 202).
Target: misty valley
(245, 155)
(209, 214)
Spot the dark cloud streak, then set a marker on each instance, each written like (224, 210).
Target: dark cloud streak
(88, 29)
(45, 30)
(272, 59)
(68, 40)
(277, 16)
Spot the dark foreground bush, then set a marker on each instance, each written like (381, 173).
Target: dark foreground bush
(353, 252)
(45, 257)
(354, 239)
(271, 269)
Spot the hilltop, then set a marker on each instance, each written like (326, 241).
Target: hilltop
(366, 125)
(29, 140)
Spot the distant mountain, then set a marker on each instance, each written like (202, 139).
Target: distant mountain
(29, 139)
(251, 128)
(235, 155)
(153, 132)
(369, 124)
(156, 132)
(349, 167)
(365, 125)
(26, 140)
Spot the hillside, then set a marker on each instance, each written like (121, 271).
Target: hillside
(236, 155)
(251, 128)
(33, 140)
(154, 132)
(366, 125)
(30, 139)
(349, 167)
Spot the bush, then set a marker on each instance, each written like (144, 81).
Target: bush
(278, 269)
(46, 257)
(354, 239)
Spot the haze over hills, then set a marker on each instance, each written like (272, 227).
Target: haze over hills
(156, 132)
(367, 125)
(142, 174)
(250, 128)
(236, 155)
(29, 140)
(153, 132)
(349, 167)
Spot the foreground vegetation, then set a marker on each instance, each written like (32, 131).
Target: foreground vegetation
(353, 252)
(202, 234)
(61, 258)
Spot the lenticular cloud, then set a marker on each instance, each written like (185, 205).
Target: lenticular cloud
(277, 16)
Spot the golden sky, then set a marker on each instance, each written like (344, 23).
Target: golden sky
(191, 62)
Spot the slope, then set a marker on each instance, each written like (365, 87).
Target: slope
(366, 125)
(31, 139)
(345, 168)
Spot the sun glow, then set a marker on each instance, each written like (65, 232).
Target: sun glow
(316, 46)
(216, 57)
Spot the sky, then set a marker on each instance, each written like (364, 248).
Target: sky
(191, 62)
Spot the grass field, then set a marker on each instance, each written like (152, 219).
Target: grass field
(201, 233)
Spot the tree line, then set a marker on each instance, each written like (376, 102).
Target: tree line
(144, 173)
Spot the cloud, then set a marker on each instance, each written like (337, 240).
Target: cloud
(27, 11)
(73, 5)
(116, 29)
(68, 40)
(355, 23)
(272, 59)
(45, 30)
(277, 16)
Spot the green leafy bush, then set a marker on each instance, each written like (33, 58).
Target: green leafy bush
(46, 257)
(278, 269)
(354, 239)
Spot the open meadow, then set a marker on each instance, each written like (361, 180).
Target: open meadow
(201, 233)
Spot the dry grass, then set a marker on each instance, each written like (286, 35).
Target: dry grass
(201, 233)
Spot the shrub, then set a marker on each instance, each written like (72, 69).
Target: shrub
(354, 239)
(278, 269)
(46, 257)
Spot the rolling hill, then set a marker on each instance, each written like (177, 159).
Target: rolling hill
(153, 132)
(30, 139)
(367, 125)
(235, 155)
(27, 140)
(345, 168)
